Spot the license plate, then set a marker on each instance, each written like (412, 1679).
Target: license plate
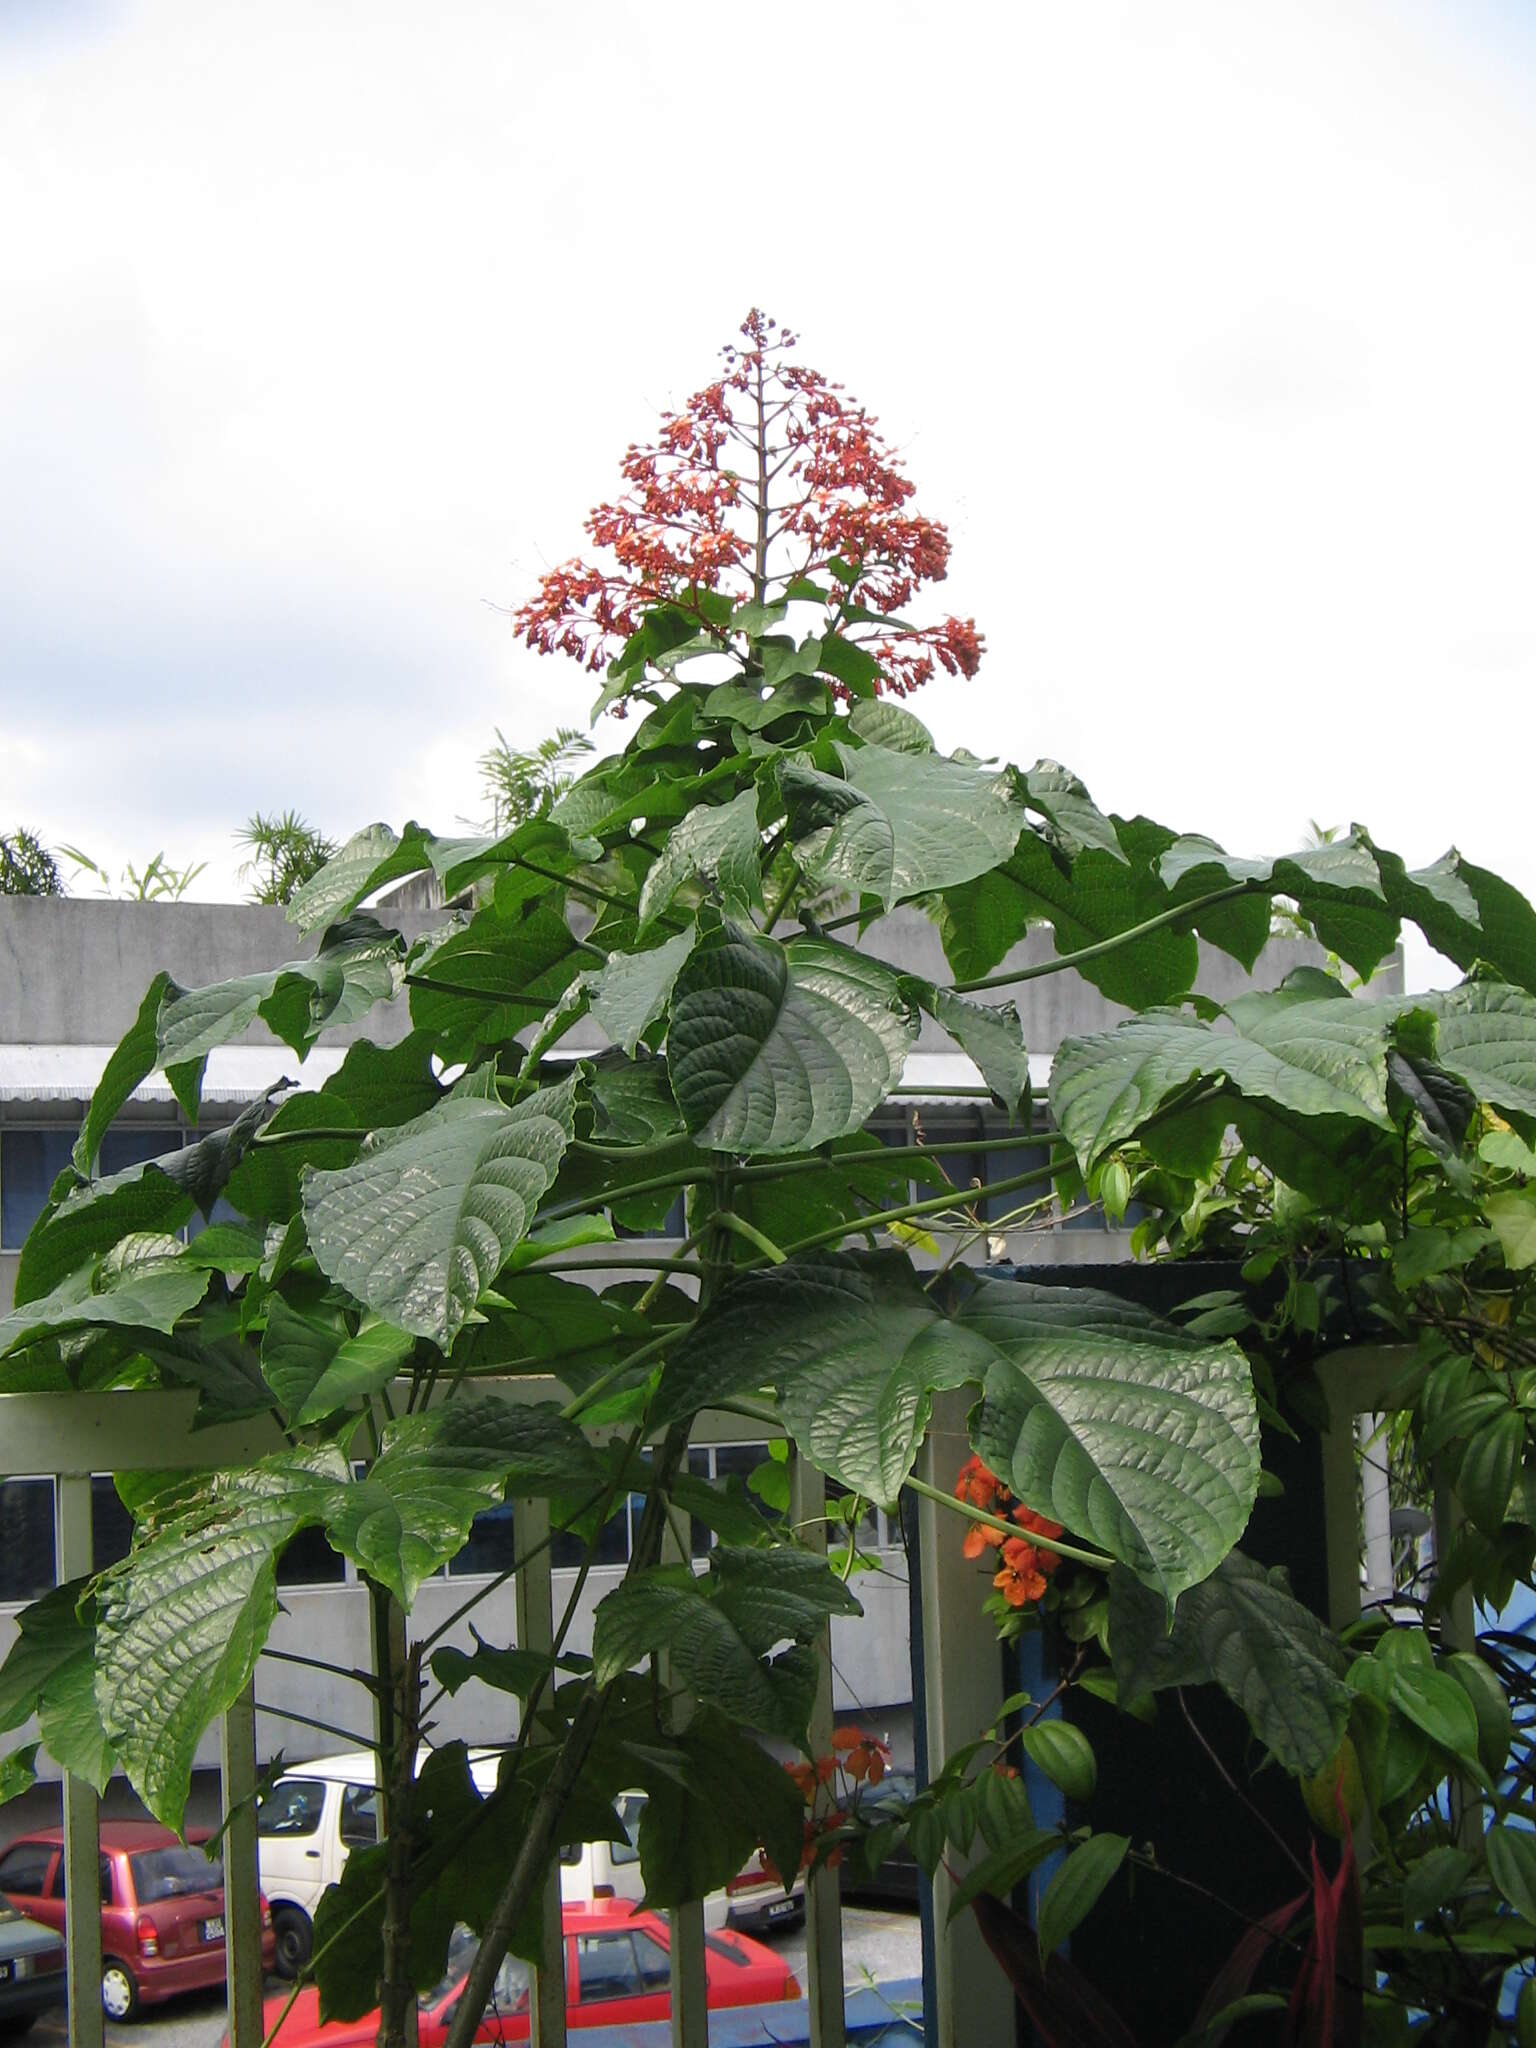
(213, 1930)
(781, 1909)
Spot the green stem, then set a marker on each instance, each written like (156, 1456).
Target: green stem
(474, 995)
(317, 1136)
(931, 1207)
(1062, 961)
(605, 1380)
(754, 1411)
(683, 1177)
(602, 1265)
(1029, 1536)
(729, 1220)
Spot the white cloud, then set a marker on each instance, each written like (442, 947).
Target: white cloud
(1208, 329)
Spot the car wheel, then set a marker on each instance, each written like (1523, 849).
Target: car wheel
(119, 1993)
(295, 1938)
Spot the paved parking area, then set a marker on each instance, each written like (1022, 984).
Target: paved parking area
(876, 1945)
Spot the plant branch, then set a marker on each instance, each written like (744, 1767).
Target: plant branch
(1030, 1536)
(931, 1207)
(1062, 961)
(727, 1219)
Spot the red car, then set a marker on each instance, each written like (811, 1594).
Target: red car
(615, 1972)
(162, 1909)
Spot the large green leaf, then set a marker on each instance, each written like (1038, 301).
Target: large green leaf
(633, 989)
(773, 1048)
(1075, 819)
(144, 1298)
(1076, 1888)
(422, 1223)
(1485, 1034)
(1315, 1057)
(130, 1064)
(153, 1195)
(297, 1001)
(718, 1630)
(181, 1624)
(1107, 1419)
(370, 858)
(50, 1672)
(900, 823)
(315, 1366)
(1100, 897)
(717, 845)
(412, 1510)
(718, 1797)
(1338, 886)
(858, 1348)
(1096, 1412)
(990, 1032)
(481, 986)
(1244, 1630)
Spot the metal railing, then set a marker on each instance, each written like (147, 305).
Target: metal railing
(75, 1436)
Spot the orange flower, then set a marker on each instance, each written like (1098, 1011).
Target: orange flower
(1021, 1579)
(979, 1538)
(1045, 1560)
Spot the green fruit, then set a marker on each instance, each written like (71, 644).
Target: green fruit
(1337, 1784)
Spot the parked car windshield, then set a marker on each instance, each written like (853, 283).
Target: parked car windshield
(292, 1807)
(168, 1873)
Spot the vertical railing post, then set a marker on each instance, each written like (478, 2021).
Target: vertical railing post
(962, 1696)
(536, 1631)
(686, 1974)
(82, 1809)
(823, 1896)
(388, 1653)
(242, 1878)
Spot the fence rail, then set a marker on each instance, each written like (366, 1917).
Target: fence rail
(73, 1436)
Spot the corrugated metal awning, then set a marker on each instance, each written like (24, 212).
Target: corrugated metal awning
(235, 1073)
(239, 1073)
(952, 1077)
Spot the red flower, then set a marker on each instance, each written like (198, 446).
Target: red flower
(767, 475)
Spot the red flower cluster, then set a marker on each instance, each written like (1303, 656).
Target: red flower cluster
(1025, 1566)
(767, 475)
(862, 1759)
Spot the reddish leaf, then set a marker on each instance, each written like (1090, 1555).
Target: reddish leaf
(1063, 2007)
(1326, 2009)
(1235, 1977)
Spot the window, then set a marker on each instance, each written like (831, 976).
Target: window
(631, 1807)
(308, 1560)
(23, 1869)
(293, 1807)
(607, 1966)
(490, 1547)
(509, 1990)
(111, 1523)
(568, 1548)
(30, 1163)
(655, 1969)
(173, 1873)
(26, 1538)
(104, 1880)
(360, 1816)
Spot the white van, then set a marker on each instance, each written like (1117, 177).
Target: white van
(316, 1814)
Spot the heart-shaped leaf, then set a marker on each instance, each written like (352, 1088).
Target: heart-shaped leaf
(419, 1227)
(773, 1048)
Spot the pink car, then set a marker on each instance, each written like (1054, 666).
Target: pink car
(162, 1909)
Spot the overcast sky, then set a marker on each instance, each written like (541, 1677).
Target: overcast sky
(1210, 331)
